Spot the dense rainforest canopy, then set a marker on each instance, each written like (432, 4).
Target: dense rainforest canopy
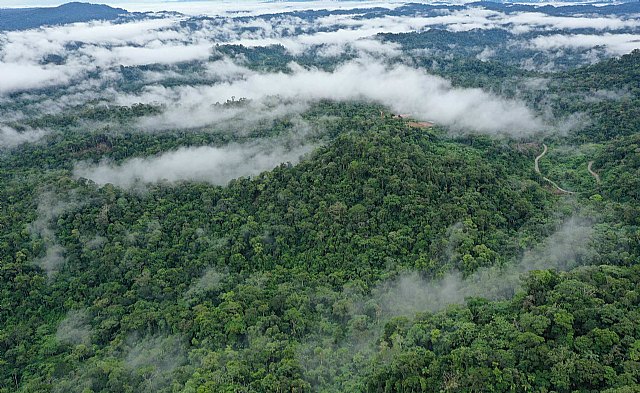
(393, 256)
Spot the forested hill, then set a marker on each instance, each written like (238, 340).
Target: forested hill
(30, 18)
(271, 283)
(430, 198)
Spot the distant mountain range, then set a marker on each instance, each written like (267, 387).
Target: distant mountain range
(622, 8)
(29, 18)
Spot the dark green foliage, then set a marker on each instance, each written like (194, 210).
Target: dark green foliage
(265, 282)
(564, 332)
(373, 201)
(293, 279)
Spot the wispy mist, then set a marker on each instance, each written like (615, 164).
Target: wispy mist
(212, 279)
(155, 358)
(50, 207)
(75, 328)
(10, 137)
(217, 165)
(404, 89)
(568, 247)
(617, 44)
(82, 48)
(410, 293)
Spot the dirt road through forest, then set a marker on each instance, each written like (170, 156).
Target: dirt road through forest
(537, 168)
(593, 173)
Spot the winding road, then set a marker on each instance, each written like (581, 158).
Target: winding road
(539, 157)
(537, 168)
(594, 174)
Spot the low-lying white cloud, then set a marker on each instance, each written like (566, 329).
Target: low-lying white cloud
(217, 165)
(10, 137)
(83, 48)
(84, 59)
(614, 43)
(191, 114)
(93, 45)
(155, 53)
(31, 45)
(404, 89)
(16, 77)
(544, 21)
(569, 247)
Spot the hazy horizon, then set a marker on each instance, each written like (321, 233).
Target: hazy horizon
(194, 7)
(211, 6)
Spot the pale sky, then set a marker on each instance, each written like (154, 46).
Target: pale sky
(35, 3)
(216, 7)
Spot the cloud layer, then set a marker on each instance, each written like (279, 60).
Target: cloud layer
(570, 246)
(617, 44)
(165, 38)
(404, 89)
(188, 63)
(9, 137)
(203, 164)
